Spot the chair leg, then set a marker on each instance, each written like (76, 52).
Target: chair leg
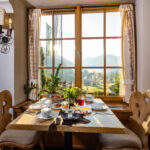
(41, 144)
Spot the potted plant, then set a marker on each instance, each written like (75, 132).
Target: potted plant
(71, 94)
(28, 88)
(52, 84)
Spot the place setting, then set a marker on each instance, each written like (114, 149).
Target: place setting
(70, 113)
(45, 114)
(72, 109)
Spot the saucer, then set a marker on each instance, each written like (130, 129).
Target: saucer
(41, 117)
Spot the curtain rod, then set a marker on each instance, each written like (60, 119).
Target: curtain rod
(83, 6)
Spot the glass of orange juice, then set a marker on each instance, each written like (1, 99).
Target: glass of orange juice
(65, 105)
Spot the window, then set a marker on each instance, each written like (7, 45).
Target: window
(88, 47)
(57, 45)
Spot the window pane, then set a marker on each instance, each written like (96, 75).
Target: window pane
(65, 53)
(46, 27)
(64, 26)
(92, 25)
(114, 82)
(92, 53)
(113, 24)
(93, 81)
(67, 75)
(113, 52)
(45, 53)
(43, 75)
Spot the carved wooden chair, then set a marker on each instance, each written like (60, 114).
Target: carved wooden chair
(137, 137)
(22, 139)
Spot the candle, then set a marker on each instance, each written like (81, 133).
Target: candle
(10, 23)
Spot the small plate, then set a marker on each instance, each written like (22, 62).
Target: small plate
(41, 117)
(53, 106)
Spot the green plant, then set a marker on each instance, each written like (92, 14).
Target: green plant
(116, 86)
(51, 84)
(29, 87)
(72, 93)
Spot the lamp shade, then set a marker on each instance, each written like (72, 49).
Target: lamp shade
(2, 14)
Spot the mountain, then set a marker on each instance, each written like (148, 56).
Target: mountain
(66, 63)
(111, 60)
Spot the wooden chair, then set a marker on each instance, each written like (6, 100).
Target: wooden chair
(137, 137)
(22, 139)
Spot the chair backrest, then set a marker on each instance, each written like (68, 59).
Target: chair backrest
(140, 106)
(5, 104)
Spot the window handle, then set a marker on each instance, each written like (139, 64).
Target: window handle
(78, 53)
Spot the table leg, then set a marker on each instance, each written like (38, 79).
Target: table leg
(68, 140)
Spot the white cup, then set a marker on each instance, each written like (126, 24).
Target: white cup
(46, 112)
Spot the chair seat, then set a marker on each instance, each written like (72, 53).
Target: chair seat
(18, 137)
(130, 140)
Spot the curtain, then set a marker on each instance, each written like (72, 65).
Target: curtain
(128, 45)
(33, 49)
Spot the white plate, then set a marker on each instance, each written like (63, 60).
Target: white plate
(99, 106)
(53, 106)
(41, 117)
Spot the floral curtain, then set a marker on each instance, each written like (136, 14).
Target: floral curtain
(33, 48)
(128, 44)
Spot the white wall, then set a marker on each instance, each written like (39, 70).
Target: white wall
(7, 6)
(143, 43)
(7, 63)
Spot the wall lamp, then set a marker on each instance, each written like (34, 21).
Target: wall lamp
(5, 38)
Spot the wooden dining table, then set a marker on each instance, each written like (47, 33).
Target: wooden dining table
(100, 122)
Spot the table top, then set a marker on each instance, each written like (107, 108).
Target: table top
(100, 122)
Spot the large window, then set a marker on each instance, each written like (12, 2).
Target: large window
(88, 45)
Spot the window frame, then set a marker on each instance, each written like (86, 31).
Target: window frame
(78, 43)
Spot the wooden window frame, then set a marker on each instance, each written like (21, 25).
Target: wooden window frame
(78, 43)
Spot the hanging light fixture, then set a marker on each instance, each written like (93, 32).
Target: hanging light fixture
(5, 38)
